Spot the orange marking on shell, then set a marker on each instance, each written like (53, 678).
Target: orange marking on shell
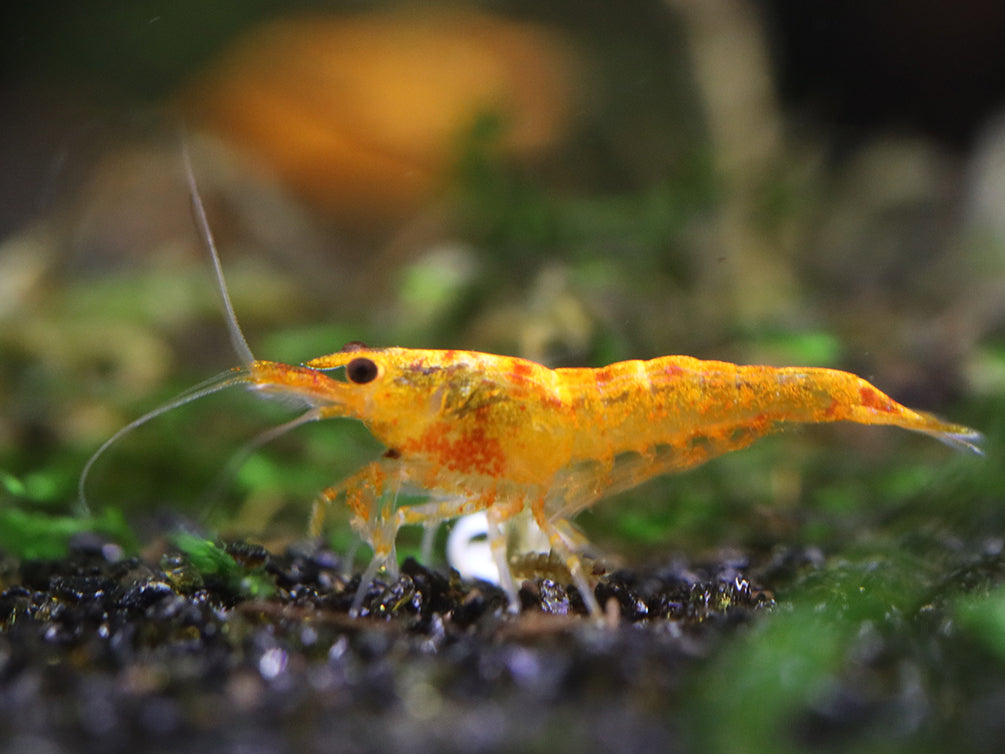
(473, 451)
(521, 369)
(875, 400)
(603, 375)
(833, 410)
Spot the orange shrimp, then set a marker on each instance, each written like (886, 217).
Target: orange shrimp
(504, 435)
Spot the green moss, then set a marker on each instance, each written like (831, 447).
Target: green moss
(214, 561)
(983, 616)
(33, 535)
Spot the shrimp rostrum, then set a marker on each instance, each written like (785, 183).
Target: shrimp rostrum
(504, 435)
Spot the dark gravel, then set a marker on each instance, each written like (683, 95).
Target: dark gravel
(108, 653)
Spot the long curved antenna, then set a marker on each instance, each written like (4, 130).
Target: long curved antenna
(236, 336)
(235, 376)
(236, 461)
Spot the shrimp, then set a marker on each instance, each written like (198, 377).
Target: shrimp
(502, 435)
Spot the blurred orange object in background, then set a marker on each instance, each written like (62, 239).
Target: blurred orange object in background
(362, 115)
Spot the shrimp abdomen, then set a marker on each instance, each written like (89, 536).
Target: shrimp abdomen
(674, 400)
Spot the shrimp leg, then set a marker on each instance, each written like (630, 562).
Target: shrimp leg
(583, 485)
(377, 519)
(566, 550)
(372, 495)
(497, 513)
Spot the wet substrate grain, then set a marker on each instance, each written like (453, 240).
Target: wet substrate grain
(102, 652)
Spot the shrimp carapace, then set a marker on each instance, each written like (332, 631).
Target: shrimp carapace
(499, 434)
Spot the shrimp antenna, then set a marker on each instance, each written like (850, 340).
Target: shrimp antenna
(237, 338)
(225, 477)
(235, 376)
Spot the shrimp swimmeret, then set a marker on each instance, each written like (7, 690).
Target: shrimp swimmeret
(504, 435)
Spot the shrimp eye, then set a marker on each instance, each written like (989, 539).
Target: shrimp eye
(361, 371)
